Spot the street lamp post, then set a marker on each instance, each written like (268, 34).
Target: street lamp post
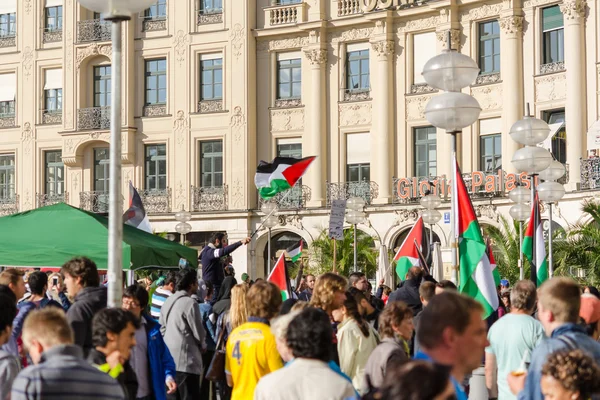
(520, 212)
(116, 11)
(452, 110)
(431, 216)
(355, 216)
(183, 228)
(551, 192)
(531, 159)
(269, 221)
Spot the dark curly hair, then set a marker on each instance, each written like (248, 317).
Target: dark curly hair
(309, 335)
(575, 370)
(415, 380)
(113, 320)
(84, 268)
(185, 279)
(137, 292)
(37, 282)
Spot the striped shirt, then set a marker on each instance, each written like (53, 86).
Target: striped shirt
(64, 374)
(158, 299)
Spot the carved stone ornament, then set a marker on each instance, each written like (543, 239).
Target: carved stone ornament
(293, 220)
(442, 36)
(180, 195)
(550, 87)
(316, 56)
(489, 97)
(573, 9)
(237, 196)
(353, 34)
(291, 119)
(512, 24)
(69, 52)
(93, 49)
(288, 103)
(406, 215)
(355, 114)
(180, 127)
(27, 138)
(237, 122)
(420, 88)
(487, 79)
(487, 211)
(415, 107)
(27, 61)
(237, 40)
(180, 43)
(420, 24)
(551, 68)
(27, 6)
(282, 44)
(384, 48)
(481, 12)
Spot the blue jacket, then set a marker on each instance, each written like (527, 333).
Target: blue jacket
(160, 360)
(458, 389)
(210, 257)
(540, 354)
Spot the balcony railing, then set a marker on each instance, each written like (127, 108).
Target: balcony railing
(156, 201)
(8, 121)
(155, 110)
(51, 117)
(93, 30)
(9, 205)
(349, 7)
(357, 94)
(209, 198)
(93, 118)
(8, 41)
(214, 16)
(94, 201)
(281, 14)
(367, 190)
(552, 67)
(485, 79)
(43, 200)
(151, 24)
(210, 106)
(419, 88)
(590, 173)
(52, 35)
(293, 199)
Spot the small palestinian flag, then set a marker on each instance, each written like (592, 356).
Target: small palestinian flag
(408, 254)
(493, 264)
(279, 175)
(136, 214)
(295, 252)
(279, 277)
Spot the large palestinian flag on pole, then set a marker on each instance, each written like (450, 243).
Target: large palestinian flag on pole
(279, 175)
(476, 277)
(408, 254)
(535, 231)
(295, 252)
(279, 277)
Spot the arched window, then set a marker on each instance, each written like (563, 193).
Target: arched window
(281, 242)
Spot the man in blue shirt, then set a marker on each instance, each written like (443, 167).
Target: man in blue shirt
(558, 311)
(452, 332)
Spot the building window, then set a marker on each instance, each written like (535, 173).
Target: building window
(211, 164)
(156, 167)
(156, 11)
(489, 47)
(289, 79)
(211, 77)
(425, 151)
(553, 35)
(358, 157)
(7, 108)
(53, 90)
(55, 173)
(358, 172)
(285, 2)
(211, 6)
(8, 25)
(558, 134)
(156, 82)
(102, 85)
(101, 169)
(54, 19)
(291, 150)
(491, 152)
(357, 70)
(7, 176)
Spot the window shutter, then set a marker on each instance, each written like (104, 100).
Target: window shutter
(552, 18)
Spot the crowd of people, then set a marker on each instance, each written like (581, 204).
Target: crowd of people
(205, 336)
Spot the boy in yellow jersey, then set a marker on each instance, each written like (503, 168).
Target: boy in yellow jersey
(251, 348)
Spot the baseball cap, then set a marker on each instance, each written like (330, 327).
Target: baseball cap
(504, 282)
(590, 308)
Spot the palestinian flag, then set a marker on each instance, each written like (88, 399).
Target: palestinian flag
(136, 214)
(279, 277)
(495, 271)
(279, 175)
(408, 254)
(295, 252)
(535, 231)
(476, 277)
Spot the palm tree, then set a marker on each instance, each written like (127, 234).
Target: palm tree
(366, 253)
(580, 249)
(505, 245)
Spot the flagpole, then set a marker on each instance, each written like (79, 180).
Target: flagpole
(550, 258)
(422, 258)
(334, 255)
(533, 272)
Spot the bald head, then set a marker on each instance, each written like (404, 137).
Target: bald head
(415, 273)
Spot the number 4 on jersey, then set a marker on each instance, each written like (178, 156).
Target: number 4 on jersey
(236, 352)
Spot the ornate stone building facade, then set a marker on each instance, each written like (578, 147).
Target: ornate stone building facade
(213, 86)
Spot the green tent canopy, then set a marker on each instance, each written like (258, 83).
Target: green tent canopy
(50, 236)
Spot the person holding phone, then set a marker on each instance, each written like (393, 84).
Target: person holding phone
(56, 291)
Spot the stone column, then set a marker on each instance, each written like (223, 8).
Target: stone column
(511, 71)
(381, 133)
(314, 143)
(574, 14)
